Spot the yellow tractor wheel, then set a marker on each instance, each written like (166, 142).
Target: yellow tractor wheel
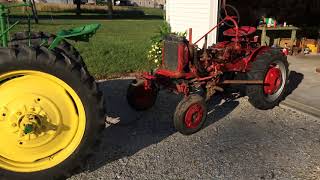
(51, 114)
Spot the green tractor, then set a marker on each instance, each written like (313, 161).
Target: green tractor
(51, 111)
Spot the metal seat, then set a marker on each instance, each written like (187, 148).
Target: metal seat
(243, 31)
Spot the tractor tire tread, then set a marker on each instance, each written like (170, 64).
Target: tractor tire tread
(51, 61)
(36, 40)
(258, 70)
(181, 110)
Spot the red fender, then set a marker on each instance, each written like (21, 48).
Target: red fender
(253, 56)
(243, 65)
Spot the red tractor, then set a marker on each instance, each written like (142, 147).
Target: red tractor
(187, 69)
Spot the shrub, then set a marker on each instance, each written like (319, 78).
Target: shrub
(155, 53)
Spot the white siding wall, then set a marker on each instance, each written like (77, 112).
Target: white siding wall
(200, 15)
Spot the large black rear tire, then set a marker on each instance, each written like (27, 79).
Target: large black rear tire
(40, 59)
(258, 71)
(37, 39)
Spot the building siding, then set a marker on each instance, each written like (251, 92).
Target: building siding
(200, 15)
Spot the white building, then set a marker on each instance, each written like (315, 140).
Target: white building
(200, 15)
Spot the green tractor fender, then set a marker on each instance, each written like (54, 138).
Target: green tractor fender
(83, 33)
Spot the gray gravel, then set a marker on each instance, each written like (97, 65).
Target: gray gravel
(238, 142)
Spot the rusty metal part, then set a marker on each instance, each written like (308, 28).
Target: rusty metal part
(183, 88)
(212, 88)
(190, 36)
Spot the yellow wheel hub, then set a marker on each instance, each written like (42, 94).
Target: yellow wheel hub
(42, 121)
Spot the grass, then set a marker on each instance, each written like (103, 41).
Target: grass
(119, 47)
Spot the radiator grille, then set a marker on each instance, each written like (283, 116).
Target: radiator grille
(171, 55)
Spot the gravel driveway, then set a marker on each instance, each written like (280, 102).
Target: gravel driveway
(238, 142)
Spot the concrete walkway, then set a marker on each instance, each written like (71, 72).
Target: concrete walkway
(304, 84)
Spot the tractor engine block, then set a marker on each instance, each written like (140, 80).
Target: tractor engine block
(225, 52)
(220, 53)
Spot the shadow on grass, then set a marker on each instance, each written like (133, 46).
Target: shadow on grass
(142, 129)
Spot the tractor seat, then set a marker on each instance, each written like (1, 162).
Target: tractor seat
(243, 31)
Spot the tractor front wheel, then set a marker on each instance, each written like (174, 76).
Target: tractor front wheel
(190, 114)
(272, 67)
(51, 114)
(141, 97)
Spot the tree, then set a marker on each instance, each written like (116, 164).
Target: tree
(110, 8)
(78, 3)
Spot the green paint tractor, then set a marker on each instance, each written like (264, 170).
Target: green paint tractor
(51, 111)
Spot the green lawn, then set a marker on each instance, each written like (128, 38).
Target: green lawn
(119, 47)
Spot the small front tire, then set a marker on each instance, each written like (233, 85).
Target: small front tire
(190, 114)
(141, 98)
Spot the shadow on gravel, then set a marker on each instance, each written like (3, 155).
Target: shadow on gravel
(295, 79)
(138, 130)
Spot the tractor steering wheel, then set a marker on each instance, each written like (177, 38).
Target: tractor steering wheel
(231, 11)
